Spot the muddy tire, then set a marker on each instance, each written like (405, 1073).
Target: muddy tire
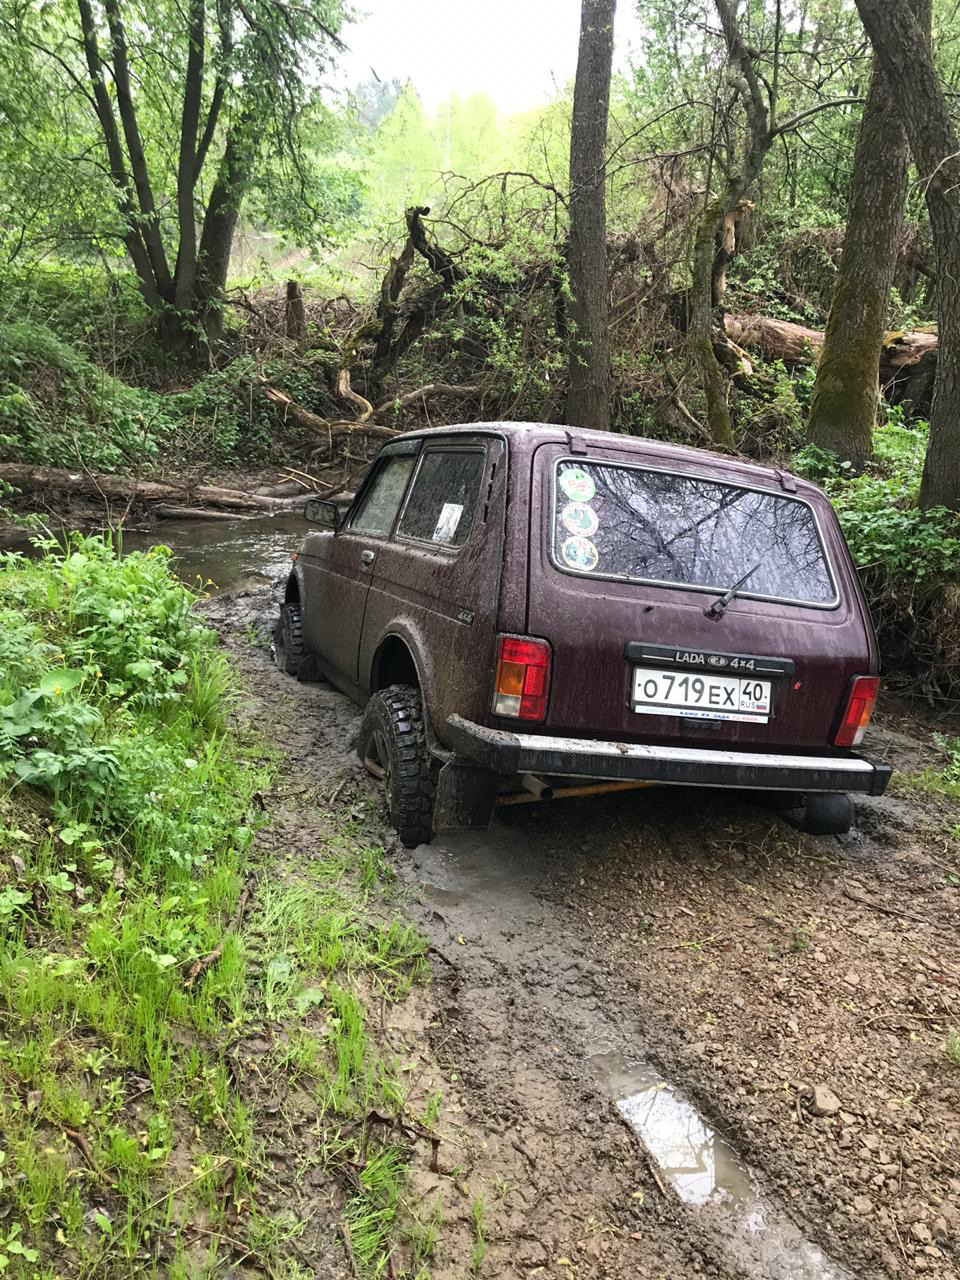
(393, 747)
(824, 814)
(288, 648)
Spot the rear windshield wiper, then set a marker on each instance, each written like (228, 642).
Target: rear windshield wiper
(718, 606)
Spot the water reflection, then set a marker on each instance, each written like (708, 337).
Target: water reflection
(665, 527)
(707, 1173)
(686, 1147)
(232, 553)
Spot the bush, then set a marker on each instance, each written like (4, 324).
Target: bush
(110, 697)
(58, 408)
(908, 558)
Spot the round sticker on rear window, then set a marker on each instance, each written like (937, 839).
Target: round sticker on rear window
(577, 517)
(577, 484)
(580, 553)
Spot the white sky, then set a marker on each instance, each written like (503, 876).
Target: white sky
(518, 51)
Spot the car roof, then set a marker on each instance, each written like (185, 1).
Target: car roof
(532, 434)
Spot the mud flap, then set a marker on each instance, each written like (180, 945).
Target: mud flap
(466, 797)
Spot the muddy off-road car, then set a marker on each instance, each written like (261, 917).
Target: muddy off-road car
(529, 611)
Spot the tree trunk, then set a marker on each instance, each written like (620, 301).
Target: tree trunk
(220, 225)
(186, 269)
(700, 329)
(149, 220)
(103, 107)
(760, 138)
(590, 384)
(296, 312)
(903, 46)
(843, 411)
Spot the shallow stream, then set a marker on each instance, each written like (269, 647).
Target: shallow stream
(232, 555)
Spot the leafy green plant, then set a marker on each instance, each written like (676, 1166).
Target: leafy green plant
(908, 558)
(479, 1251)
(126, 839)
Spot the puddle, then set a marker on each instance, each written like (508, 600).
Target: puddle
(232, 554)
(706, 1172)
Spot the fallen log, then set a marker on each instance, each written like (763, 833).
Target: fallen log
(164, 511)
(777, 339)
(423, 393)
(97, 485)
(796, 344)
(908, 358)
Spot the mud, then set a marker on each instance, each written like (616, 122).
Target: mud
(741, 962)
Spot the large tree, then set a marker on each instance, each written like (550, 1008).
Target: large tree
(590, 386)
(843, 410)
(905, 51)
(172, 113)
(752, 87)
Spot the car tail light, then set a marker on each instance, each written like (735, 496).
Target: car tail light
(856, 716)
(523, 678)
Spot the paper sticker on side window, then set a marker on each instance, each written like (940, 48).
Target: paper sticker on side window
(446, 529)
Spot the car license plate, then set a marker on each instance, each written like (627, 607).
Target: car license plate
(704, 697)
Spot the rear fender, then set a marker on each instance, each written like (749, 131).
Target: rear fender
(418, 650)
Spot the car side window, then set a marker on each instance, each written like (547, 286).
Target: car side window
(444, 497)
(381, 502)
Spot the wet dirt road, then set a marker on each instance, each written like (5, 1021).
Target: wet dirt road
(674, 1037)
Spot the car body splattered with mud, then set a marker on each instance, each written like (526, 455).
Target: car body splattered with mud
(530, 610)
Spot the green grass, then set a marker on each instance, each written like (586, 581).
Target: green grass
(951, 1047)
(941, 779)
(479, 1251)
(127, 834)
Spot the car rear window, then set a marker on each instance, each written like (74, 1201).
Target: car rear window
(444, 497)
(643, 525)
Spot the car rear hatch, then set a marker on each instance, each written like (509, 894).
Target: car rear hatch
(631, 558)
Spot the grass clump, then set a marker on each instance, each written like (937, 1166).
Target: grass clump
(951, 1047)
(127, 836)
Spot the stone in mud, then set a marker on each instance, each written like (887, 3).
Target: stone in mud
(822, 1101)
(921, 1232)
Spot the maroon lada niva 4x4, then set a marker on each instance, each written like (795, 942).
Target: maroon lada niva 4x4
(531, 610)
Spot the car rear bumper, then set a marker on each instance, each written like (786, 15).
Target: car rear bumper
(515, 753)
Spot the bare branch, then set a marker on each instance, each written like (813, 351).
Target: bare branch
(802, 116)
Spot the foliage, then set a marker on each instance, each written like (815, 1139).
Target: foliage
(908, 558)
(128, 821)
(884, 528)
(140, 128)
(60, 407)
(57, 407)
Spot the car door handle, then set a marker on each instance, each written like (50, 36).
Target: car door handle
(368, 557)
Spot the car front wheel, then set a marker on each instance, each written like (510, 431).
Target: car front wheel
(288, 646)
(393, 747)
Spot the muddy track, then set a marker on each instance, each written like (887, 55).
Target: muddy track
(584, 949)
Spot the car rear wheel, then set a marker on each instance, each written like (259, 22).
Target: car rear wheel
(393, 747)
(824, 814)
(288, 647)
